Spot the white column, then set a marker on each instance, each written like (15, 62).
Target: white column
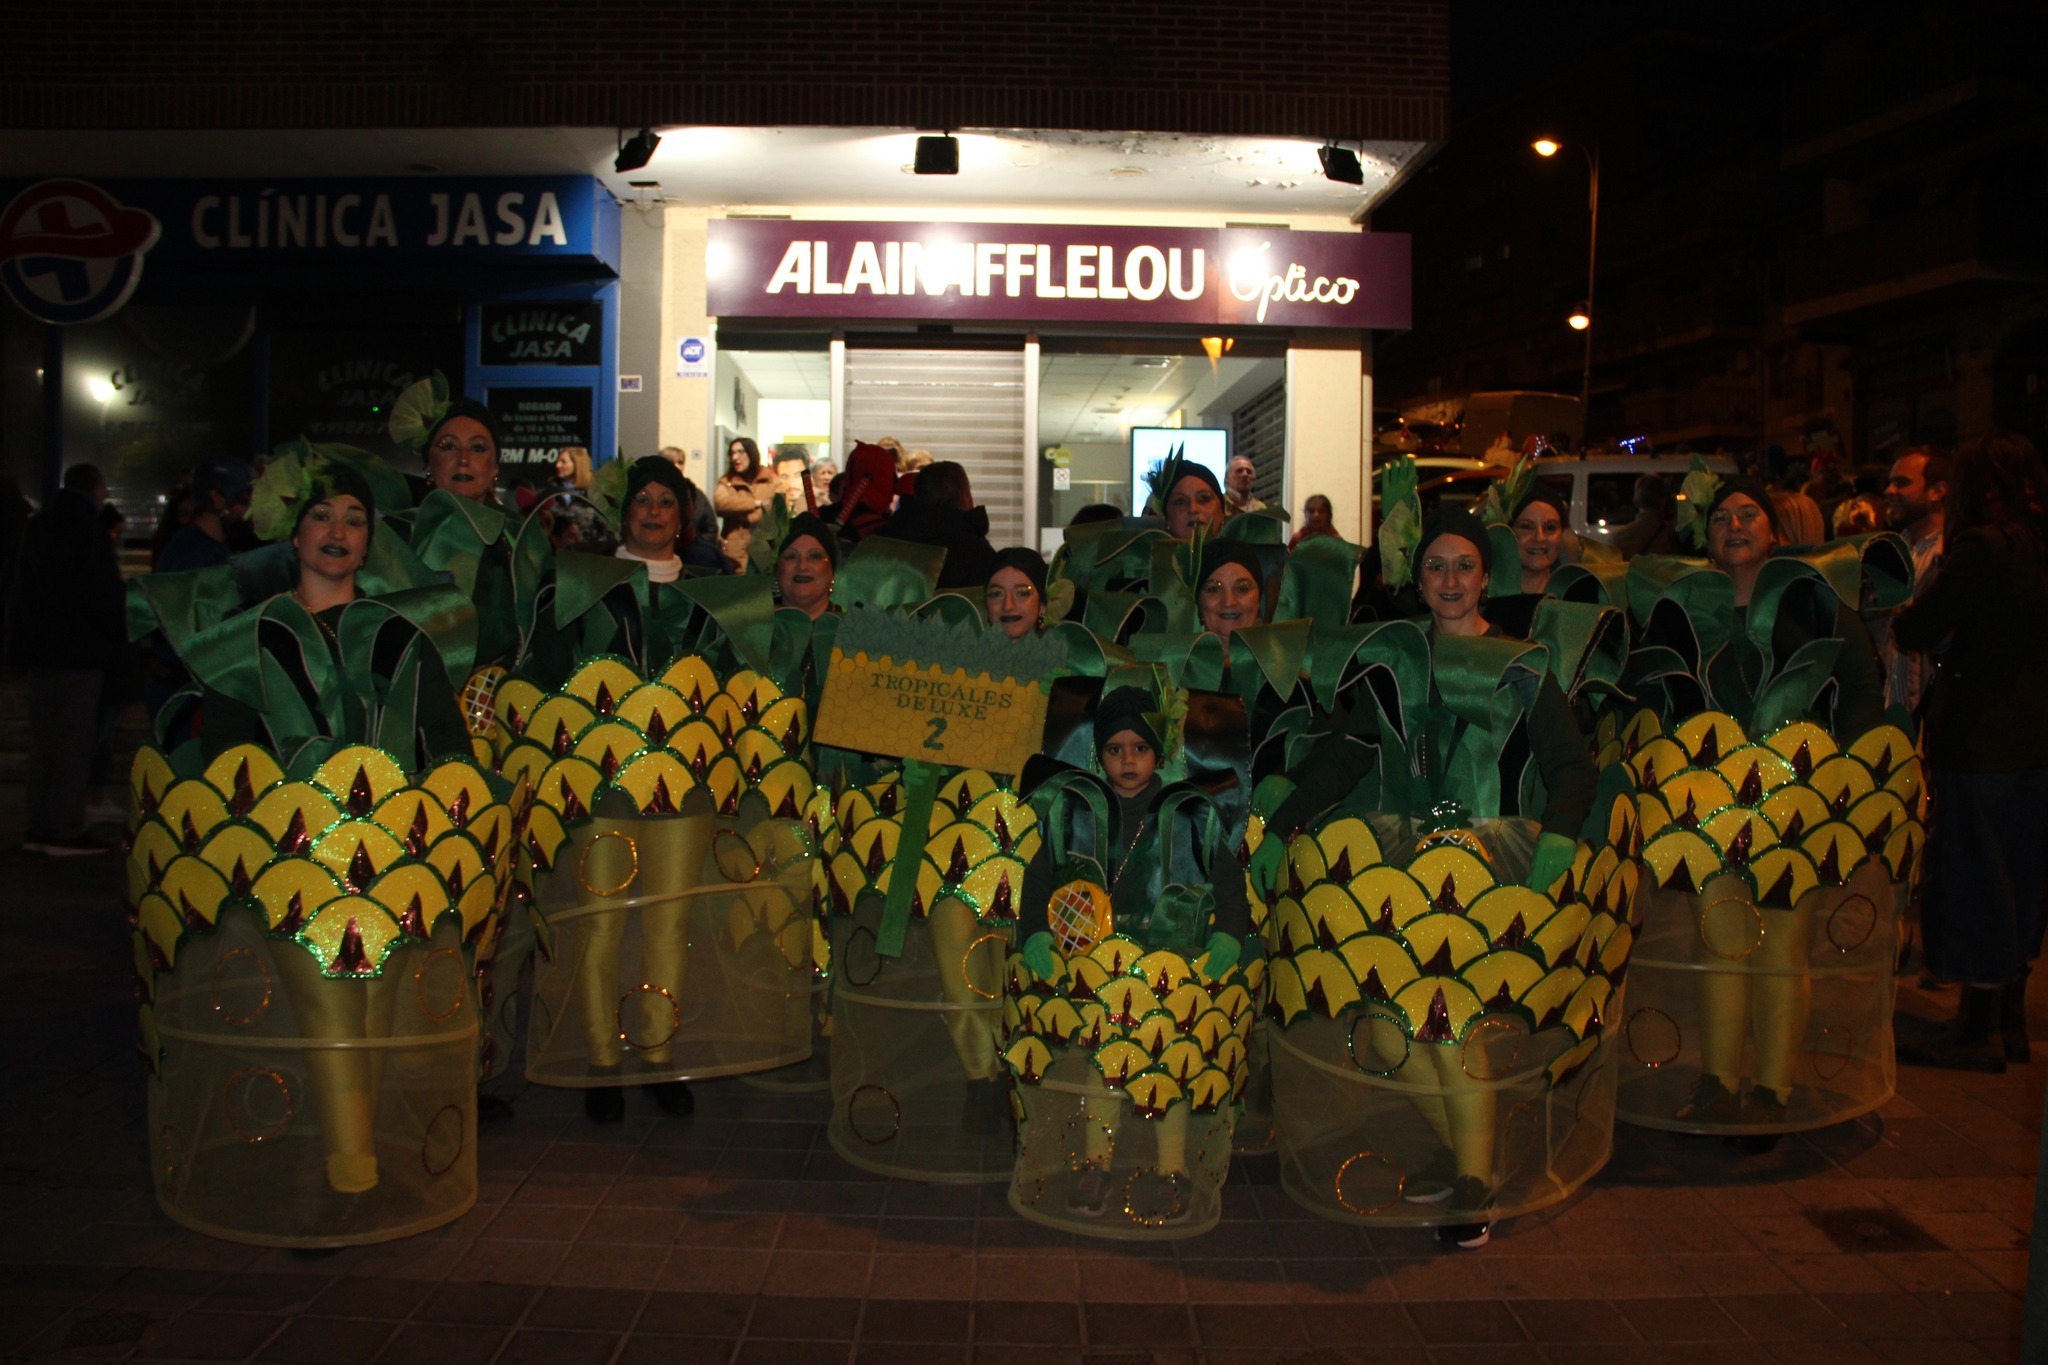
(687, 413)
(1032, 462)
(1325, 420)
(838, 389)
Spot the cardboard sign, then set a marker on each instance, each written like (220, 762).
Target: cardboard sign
(924, 711)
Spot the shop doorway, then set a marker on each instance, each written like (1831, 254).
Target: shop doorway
(961, 405)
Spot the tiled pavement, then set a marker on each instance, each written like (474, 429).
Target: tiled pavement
(739, 1236)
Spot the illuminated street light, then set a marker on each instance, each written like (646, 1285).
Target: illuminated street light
(1582, 319)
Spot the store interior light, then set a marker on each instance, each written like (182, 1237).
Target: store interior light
(1341, 164)
(1546, 146)
(102, 390)
(636, 151)
(937, 154)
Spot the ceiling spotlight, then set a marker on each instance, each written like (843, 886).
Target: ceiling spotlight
(1341, 164)
(636, 151)
(938, 154)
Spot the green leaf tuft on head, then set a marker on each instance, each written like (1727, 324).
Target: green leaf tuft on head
(1695, 496)
(416, 410)
(279, 493)
(1497, 508)
(1400, 521)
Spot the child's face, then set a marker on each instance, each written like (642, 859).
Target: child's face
(1129, 760)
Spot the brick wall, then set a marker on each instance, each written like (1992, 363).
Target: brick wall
(1346, 68)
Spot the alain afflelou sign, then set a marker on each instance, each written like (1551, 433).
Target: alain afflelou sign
(1057, 273)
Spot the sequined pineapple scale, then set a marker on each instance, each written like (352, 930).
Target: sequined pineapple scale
(1442, 944)
(977, 844)
(349, 864)
(1789, 813)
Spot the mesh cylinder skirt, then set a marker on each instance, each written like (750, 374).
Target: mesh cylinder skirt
(918, 1086)
(1790, 1010)
(293, 1109)
(681, 949)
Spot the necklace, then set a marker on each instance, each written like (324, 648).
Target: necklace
(319, 618)
(1123, 862)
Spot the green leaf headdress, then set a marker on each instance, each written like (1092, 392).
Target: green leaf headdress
(607, 491)
(1497, 508)
(1161, 481)
(302, 472)
(1400, 521)
(1695, 499)
(416, 411)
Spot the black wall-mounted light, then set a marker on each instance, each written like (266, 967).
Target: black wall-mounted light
(636, 151)
(938, 154)
(1341, 164)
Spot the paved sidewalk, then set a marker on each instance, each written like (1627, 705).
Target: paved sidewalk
(738, 1235)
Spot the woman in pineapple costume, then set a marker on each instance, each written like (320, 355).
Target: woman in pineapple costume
(1443, 936)
(332, 792)
(1134, 904)
(1779, 821)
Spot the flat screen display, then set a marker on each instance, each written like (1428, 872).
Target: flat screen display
(1152, 447)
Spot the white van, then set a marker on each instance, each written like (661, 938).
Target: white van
(1603, 487)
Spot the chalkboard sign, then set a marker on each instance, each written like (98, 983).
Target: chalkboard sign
(548, 332)
(535, 424)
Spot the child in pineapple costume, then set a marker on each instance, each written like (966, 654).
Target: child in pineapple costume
(1134, 847)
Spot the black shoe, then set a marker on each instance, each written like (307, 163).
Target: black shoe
(674, 1098)
(1088, 1196)
(2012, 1020)
(491, 1109)
(1469, 1195)
(1711, 1102)
(1433, 1183)
(1763, 1107)
(604, 1104)
(1971, 1042)
(1465, 1236)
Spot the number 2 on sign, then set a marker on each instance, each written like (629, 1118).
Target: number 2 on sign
(938, 727)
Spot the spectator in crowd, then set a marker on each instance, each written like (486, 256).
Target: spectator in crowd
(220, 498)
(114, 522)
(747, 488)
(1987, 752)
(1650, 531)
(177, 511)
(698, 514)
(940, 511)
(462, 451)
(1237, 493)
(66, 625)
(1860, 515)
(1316, 518)
(863, 502)
(1798, 518)
(1916, 503)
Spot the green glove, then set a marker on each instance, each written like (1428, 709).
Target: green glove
(1038, 956)
(1223, 951)
(1266, 864)
(1554, 853)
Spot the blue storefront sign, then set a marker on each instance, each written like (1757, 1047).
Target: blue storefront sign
(75, 252)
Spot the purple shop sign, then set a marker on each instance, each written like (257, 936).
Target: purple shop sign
(997, 272)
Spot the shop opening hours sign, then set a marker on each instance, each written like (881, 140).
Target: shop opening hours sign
(1055, 273)
(536, 424)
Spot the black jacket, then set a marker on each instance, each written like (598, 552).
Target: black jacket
(970, 559)
(66, 607)
(1987, 614)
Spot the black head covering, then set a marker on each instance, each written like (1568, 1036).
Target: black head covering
(812, 525)
(1548, 497)
(656, 469)
(1454, 521)
(1742, 483)
(1123, 709)
(476, 412)
(1217, 553)
(1182, 469)
(335, 478)
(1024, 560)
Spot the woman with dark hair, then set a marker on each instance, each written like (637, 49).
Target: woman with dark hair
(1986, 618)
(740, 496)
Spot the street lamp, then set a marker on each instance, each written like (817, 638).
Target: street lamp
(1582, 319)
